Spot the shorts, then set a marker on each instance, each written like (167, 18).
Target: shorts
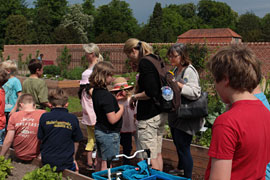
(150, 133)
(90, 138)
(108, 144)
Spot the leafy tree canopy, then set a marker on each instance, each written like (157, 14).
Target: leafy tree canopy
(217, 14)
(248, 27)
(116, 16)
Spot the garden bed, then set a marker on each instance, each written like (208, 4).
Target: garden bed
(20, 169)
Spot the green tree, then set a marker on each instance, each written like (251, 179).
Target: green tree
(7, 8)
(173, 25)
(154, 30)
(89, 9)
(64, 60)
(115, 17)
(249, 27)
(16, 30)
(47, 16)
(217, 14)
(79, 22)
(266, 27)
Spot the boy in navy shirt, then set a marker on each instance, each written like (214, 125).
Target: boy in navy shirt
(60, 133)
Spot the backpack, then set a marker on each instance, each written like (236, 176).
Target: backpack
(170, 98)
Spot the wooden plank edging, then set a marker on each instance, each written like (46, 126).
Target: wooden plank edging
(66, 173)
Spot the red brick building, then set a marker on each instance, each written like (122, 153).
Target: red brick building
(218, 35)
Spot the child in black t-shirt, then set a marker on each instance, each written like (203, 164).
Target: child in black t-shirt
(60, 133)
(108, 113)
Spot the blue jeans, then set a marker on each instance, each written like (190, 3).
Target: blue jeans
(108, 144)
(182, 143)
(2, 135)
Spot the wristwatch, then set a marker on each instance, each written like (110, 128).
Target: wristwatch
(134, 97)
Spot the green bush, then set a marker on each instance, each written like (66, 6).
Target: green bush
(52, 69)
(46, 172)
(5, 167)
(75, 73)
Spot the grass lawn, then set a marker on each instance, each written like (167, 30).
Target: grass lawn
(73, 104)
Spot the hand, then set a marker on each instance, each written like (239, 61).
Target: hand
(180, 85)
(132, 103)
(77, 167)
(121, 95)
(121, 106)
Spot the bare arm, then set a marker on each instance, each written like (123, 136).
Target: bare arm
(220, 169)
(7, 142)
(114, 117)
(76, 145)
(16, 105)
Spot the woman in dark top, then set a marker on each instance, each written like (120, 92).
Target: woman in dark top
(108, 113)
(151, 120)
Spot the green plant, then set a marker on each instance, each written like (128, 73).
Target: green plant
(44, 173)
(75, 73)
(64, 60)
(52, 69)
(1, 56)
(203, 138)
(198, 55)
(37, 53)
(5, 167)
(20, 63)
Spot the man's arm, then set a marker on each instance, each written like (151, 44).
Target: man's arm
(220, 169)
(7, 142)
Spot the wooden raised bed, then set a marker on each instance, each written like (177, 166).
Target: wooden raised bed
(199, 154)
(66, 173)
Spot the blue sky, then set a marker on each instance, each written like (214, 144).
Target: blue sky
(142, 9)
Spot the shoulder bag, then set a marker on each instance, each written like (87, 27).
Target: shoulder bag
(193, 109)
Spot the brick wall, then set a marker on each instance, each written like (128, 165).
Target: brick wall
(115, 53)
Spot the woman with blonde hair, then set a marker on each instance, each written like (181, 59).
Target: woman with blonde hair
(150, 118)
(93, 56)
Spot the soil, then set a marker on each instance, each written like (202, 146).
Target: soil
(20, 170)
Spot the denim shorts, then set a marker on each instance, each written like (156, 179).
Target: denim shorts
(108, 144)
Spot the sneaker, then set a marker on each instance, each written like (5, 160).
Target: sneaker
(177, 172)
(94, 154)
(90, 167)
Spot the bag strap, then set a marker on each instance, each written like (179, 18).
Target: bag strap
(159, 65)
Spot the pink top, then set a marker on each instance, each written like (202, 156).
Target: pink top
(129, 122)
(85, 76)
(89, 116)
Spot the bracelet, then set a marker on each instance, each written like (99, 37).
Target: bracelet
(134, 97)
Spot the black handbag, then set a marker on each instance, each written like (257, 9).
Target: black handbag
(192, 109)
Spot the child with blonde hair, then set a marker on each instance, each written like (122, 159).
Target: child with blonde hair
(13, 88)
(108, 113)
